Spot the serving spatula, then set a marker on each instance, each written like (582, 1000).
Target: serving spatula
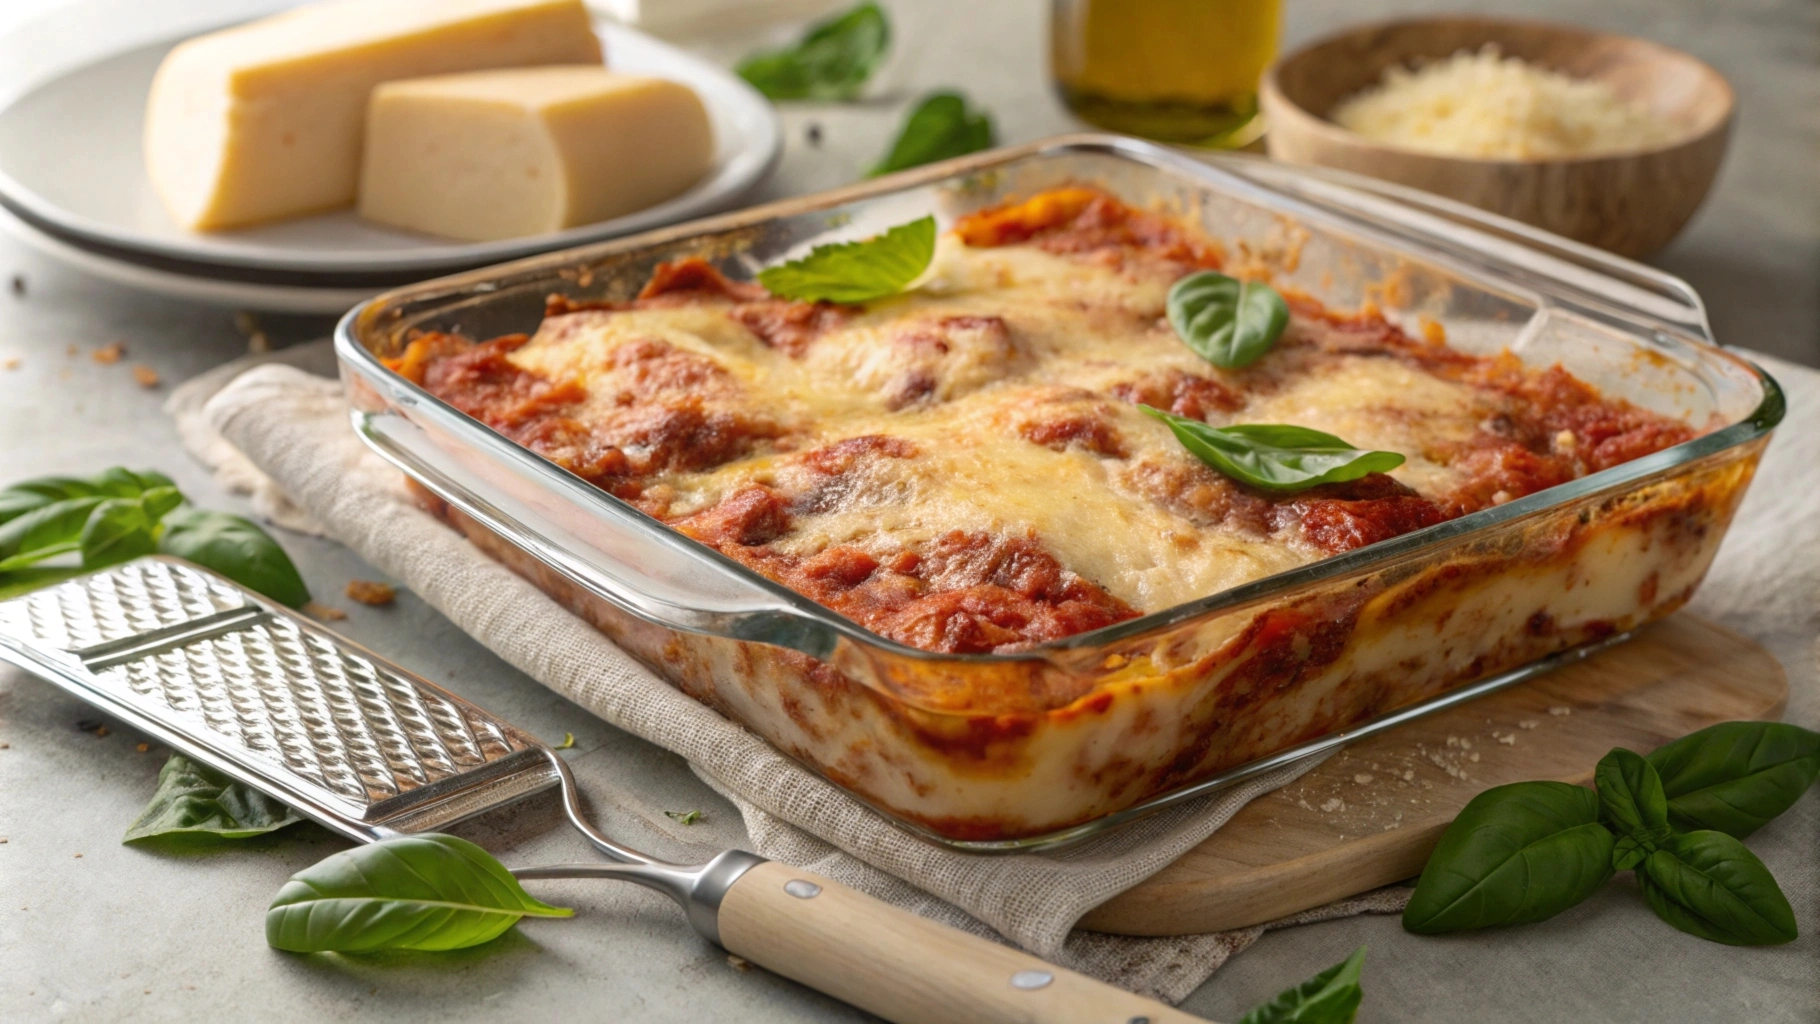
(369, 750)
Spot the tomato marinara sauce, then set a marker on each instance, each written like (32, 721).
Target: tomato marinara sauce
(963, 468)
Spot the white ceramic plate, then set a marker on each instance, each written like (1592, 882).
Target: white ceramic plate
(211, 291)
(70, 162)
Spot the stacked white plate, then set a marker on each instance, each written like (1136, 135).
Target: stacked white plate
(72, 182)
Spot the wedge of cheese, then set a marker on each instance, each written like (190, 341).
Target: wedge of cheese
(265, 120)
(524, 151)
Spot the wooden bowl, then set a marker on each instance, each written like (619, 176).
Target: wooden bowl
(1632, 202)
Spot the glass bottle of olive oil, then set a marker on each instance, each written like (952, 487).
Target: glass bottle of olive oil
(1183, 71)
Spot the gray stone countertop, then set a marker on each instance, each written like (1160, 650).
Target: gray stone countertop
(93, 930)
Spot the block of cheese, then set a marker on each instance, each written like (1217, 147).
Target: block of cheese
(524, 151)
(265, 120)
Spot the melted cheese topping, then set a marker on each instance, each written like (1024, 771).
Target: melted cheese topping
(993, 340)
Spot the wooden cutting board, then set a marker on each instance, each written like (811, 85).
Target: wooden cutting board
(1372, 813)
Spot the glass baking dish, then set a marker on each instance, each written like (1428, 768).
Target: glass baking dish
(1016, 751)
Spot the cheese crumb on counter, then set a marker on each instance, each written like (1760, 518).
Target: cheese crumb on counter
(264, 120)
(1487, 105)
(524, 151)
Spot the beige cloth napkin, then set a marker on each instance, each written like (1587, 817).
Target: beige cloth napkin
(282, 435)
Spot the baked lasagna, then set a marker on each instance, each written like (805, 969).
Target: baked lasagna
(966, 467)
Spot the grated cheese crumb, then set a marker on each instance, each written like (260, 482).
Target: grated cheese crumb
(1490, 106)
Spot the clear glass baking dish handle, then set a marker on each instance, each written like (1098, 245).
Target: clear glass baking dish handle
(1484, 245)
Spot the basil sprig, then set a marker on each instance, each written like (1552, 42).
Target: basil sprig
(120, 515)
(941, 127)
(1228, 322)
(856, 271)
(831, 62)
(194, 799)
(1330, 997)
(1527, 851)
(427, 891)
(1276, 456)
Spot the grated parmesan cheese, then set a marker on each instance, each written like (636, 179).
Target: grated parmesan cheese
(1486, 105)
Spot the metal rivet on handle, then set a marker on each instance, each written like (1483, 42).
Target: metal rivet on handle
(801, 889)
(1031, 979)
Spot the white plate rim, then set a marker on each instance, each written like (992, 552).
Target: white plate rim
(721, 190)
(271, 298)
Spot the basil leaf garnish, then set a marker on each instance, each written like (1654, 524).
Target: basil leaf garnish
(1735, 776)
(1330, 997)
(412, 892)
(235, 548)
(856, 271)
(116, 531)
(197, 800)
(120, 482)
(941, 127)
(45, 532)
(117, 482)
(29, 495)
(1276, 456)
(831, 61)
(1515, 854)
(1633, 805)
(1707, 884)
(1228, 322)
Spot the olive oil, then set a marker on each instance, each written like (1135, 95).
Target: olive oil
(1183, 71)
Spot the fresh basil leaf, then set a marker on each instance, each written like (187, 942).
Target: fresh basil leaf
(427, 891)
(1735, 777)
(235, 548)
(117, 531)
(831, 61)
(1632, 804)
(856, 271)
(195, 799)
(25, 559)
(1516, 854)
(1330, 997)
(29, 495)
(45, 532)
(941, 127)
(159, 502)
(1226, 321)
(1276, 456)
(119, 482)
(1707, 884)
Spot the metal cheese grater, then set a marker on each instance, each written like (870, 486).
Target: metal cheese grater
(370, 750)
(287, 707)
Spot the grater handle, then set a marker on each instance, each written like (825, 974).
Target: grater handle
(907, 968)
